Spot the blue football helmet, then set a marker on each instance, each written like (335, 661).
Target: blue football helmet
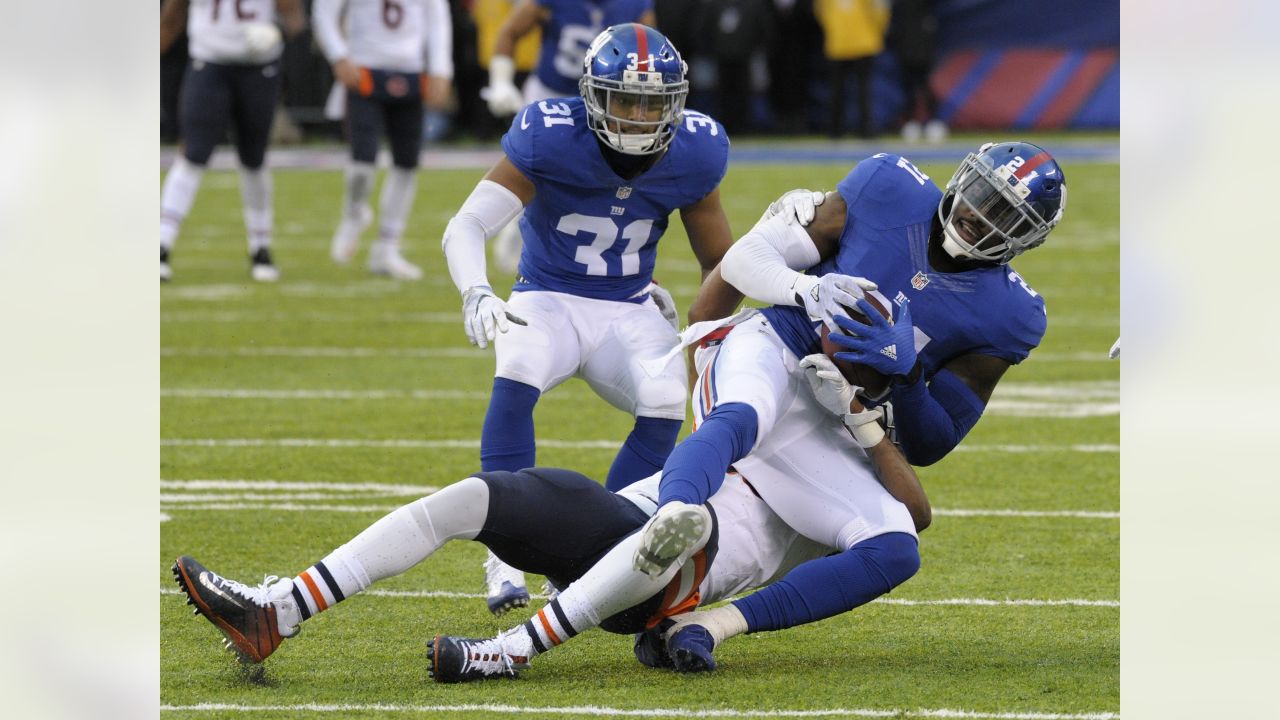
(1002, 201)
(633, 82)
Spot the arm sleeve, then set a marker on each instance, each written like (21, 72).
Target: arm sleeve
(932, 419)
(438, 40)
(325, 16)
(763, 264)
(487, 210)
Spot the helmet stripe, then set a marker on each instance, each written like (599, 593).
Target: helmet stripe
(642, 48)
(1036, 161)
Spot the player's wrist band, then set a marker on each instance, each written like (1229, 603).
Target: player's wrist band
(910, 378)
(866, 434)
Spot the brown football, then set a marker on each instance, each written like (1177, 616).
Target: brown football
(873, 382)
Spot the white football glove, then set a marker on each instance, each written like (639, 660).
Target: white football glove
(502, 95)
(824, 296)
(484, 315)
(795, 206)
(260, 38)
(665, 303)
(834, 392)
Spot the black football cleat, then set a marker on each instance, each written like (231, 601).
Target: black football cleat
(245, 615)
(455, 659)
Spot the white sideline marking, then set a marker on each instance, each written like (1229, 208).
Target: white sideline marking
(221, 503)
(977, 602)
(594, 711)
(165, 517)
(265, 394)
(1095, 514)
(222, 316)
(230, 484)
(325, 352)
(550, 443)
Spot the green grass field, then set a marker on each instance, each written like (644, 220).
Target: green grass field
(356, 394)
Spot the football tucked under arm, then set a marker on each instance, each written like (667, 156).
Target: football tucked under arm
(874, 384)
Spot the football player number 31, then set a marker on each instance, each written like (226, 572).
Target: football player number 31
(605, 232)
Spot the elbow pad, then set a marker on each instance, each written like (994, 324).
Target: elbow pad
(763, 264)
(487, 210)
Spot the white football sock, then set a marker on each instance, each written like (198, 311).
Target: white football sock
(722, 622)
(358, 188)
(395, 203)
(181, 184)
(609, 587)
(255, 193)
(392, 545)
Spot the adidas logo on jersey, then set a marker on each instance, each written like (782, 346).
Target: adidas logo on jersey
(890, 352)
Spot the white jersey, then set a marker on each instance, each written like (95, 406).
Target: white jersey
(806, 468)
(216, 31)
(409, 36)
(755, 547)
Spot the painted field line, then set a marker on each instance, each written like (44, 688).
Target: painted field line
(237, 484)
(321, 394)
(325, 352)
(252, 316)
(975, 602)
(597, 711)
(1091, 514)
(550, 443)
(237, 502)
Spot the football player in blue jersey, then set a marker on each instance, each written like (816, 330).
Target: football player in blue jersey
(963, 317)
(597, 177)
(568, 27)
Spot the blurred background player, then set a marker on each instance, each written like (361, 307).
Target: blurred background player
(233, 80)
(390, 58)
(853, 33)
(913, 39)
(567, 27)
(964, 317)
(598, 177)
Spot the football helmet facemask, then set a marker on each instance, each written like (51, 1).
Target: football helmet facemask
(1002, 201)
(634, 85)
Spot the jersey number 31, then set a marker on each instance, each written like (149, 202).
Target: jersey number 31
(605, 232)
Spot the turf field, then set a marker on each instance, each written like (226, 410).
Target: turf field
(294, 415)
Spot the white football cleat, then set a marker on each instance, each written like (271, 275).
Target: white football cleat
(262, 269)
(385, 259)
(935, 131)
(346, 240)
(669, 534)
(505, 586)
(911, 131)
(166, 272)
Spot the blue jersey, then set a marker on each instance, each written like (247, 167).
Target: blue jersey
(589, 232)
(569, 31)
(891, 206)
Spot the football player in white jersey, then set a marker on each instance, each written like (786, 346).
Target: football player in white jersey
(233, 81)
(561, 523)
(390, 57)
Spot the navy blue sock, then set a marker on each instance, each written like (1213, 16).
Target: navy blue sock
(834, 584)
(506, 443)
(644, 452)
(696, 467)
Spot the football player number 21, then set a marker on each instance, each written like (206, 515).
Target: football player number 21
(605, 231)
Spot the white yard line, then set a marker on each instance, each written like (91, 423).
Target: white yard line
(325, 352)
(597, 711)
(405, 443)
(239, 484)
(973, 602)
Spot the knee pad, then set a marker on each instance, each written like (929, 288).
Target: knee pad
(662, 397)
